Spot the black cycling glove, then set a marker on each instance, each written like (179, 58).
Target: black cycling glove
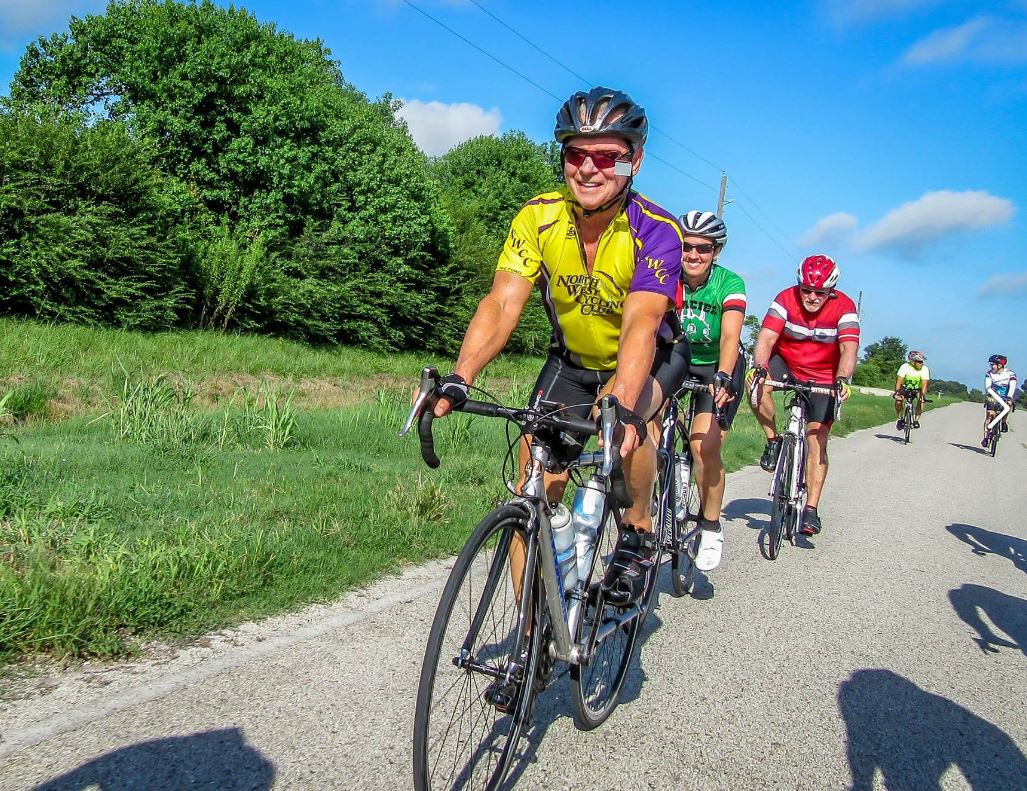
(724, 381)
(454, 389)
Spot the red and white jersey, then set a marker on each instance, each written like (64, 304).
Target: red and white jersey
(808, 342)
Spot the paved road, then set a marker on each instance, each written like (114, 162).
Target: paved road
(893, 654)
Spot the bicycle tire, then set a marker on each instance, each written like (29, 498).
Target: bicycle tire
(908, 412)
(684, 545)
(780, 508)
(461, 740)
(596, 684)
(993, 445)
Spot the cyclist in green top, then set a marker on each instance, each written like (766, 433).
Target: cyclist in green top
(912, 375)
(712, 309)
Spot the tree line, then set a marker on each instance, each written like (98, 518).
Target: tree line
(170, 164)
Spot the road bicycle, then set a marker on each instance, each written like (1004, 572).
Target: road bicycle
(910, 396)
(788, 486)
(506, 617)
(676, 505)
(997, 424)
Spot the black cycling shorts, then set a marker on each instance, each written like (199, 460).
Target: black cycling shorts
(821, 407)
(704, 401)
(575, 387)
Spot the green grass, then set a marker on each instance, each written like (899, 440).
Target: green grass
(110, 535)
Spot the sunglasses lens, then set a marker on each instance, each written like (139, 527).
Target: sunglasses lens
(603, 160)
(699, 248)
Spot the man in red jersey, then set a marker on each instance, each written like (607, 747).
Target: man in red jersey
(810, 333)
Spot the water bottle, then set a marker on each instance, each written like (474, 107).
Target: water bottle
(586, 514)
(563, 543)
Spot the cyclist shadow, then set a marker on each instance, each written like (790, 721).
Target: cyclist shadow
(1006, 613)
(892, 437)
(751, 510)
(986, 542)
(214, 759)
(913, 737)
(974, 448)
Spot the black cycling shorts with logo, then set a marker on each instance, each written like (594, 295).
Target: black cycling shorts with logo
(575, 387)
(821, 407)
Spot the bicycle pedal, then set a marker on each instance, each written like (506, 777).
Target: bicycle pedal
(502, 696)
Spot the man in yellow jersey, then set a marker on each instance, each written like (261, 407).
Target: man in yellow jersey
(913, 376)
(607, 261)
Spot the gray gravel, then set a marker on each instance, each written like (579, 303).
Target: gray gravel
(891, 655)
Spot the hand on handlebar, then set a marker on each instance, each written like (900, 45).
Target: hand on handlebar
(722, 389)
(451, 393)
(841, 386)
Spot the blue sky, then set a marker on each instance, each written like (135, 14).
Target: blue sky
(890, 134)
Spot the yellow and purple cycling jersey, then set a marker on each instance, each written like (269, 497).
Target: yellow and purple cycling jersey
(639, 251)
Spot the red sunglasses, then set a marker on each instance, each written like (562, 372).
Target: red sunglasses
(603, 160)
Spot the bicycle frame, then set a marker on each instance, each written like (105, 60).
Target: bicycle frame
(665, 455)
(533, 501)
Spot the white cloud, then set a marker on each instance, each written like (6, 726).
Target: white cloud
(983, 39)
(1007, 285)
(437, 127)
(845, 12)
(29, 18)
(934, 215)
(832, 228)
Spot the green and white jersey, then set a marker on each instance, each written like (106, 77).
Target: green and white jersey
(701, 311)
(911, 377)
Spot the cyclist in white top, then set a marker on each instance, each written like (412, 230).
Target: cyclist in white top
(999, 385)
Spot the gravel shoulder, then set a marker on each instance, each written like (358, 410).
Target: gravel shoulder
(891, 654)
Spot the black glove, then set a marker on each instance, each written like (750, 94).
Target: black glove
(454, 389)
(723, 381)
(627, 417)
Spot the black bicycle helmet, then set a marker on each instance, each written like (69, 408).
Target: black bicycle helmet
(601, 111)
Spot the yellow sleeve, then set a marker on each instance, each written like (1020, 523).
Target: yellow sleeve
(521, 254)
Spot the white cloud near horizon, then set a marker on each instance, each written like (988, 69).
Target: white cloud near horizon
(933, 216)
(982, 39)
(437, 127)
(832, 228)
(22, 18)
(1006, 285)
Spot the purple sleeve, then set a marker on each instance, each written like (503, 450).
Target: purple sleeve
(658, 257)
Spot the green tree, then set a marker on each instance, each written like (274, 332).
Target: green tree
(881, 361)
(335, 218)
(750, 332)
(484, 182)
(89, 231)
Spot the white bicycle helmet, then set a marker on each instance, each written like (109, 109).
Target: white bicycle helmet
(705, 224)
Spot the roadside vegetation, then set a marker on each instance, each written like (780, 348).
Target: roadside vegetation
(146, 510)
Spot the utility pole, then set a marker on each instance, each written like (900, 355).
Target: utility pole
(859, 307)
(723, 192)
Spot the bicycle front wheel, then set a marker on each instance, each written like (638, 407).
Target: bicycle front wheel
(995, 432)
(908, 412)
(468, 718)
(781, 508)
(596, 684)
(685, 544)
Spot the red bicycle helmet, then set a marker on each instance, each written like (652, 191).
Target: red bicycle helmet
(819, 272)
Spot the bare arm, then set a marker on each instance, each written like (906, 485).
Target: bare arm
(847, 362)
(765, 343)
(491, 327)
(643, 314)
(730, 335)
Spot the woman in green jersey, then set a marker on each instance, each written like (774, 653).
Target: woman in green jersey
(712, 310)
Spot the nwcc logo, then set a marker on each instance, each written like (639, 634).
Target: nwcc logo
(585, 290)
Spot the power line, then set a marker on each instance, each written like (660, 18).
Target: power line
(482, 51)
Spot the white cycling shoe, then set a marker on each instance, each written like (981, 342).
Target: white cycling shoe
(711, 547)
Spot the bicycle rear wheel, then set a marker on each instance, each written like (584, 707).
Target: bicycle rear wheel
(780, 508)
(685, 539)
(467, 721)
(596, 684)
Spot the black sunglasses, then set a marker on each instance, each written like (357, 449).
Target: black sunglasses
(699, 248)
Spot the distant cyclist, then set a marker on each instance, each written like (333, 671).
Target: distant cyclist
(999, 383)
(712, 310)
(912, 375)
(810, 333)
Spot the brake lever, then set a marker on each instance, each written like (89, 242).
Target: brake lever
(429, 381)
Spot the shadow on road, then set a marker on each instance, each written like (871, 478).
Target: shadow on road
(1007, 613)
(755, 512)
(913, 737)
(974, 448)
(892, 437)
(210, 760)
(985, 542)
